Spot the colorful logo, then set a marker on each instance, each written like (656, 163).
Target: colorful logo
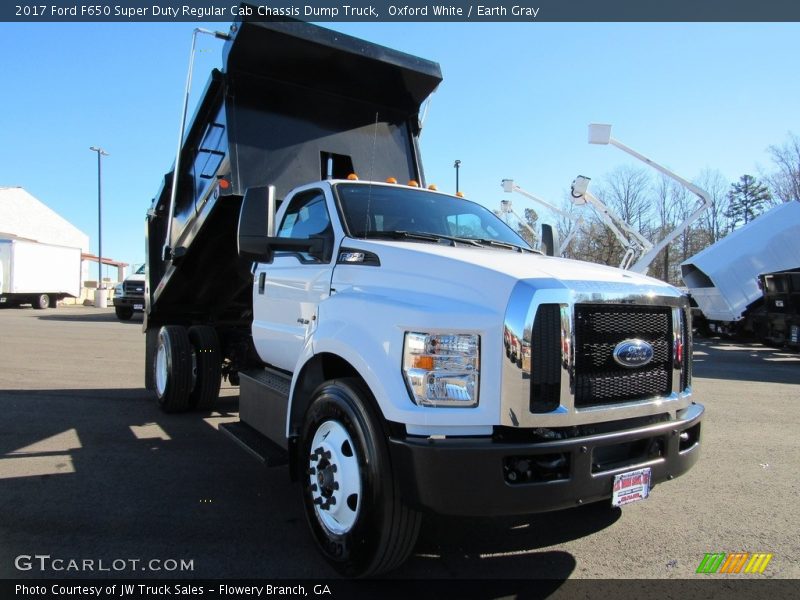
(734, 563)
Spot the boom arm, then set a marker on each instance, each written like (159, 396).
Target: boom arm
(631, 240)
(601, 134)
(509, 186)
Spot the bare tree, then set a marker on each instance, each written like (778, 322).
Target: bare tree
(596, 243)
(626, 190)
(665, 210)
(564, 226)
(785, 183)
(714, 221)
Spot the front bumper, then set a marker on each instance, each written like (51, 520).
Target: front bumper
(471, 476)
(134, 302)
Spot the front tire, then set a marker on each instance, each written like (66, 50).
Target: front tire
(124, 313)
(172, 369)
(350, 491)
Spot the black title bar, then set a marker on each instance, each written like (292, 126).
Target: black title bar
(520, 11)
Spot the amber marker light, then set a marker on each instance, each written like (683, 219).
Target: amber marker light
(352, 177)
(433, 187)
(423, 362)
(391, 180)
(413, 183)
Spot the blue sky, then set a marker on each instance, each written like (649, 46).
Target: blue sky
(515, 102)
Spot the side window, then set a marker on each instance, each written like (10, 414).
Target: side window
(306, 217)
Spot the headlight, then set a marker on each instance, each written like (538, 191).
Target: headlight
(118, 289)
(442, 369)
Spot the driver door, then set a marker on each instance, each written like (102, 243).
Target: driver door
(287, 291)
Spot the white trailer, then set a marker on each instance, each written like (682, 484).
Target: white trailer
(723, 278)
(38, 274)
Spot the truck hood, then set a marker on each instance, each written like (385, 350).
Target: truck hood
(454, 262)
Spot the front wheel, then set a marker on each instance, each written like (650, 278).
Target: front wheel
(350, 491)
(124, 313)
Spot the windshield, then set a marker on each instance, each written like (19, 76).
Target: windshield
(370, 210)
(140, 270)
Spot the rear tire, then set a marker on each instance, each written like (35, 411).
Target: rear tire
(41, 301)
(207, 367)
(124, 313)
(172, 369)
(350, 491)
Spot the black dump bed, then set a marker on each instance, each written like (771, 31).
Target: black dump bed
(294, 103)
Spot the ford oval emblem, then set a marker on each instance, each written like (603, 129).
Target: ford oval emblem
(633, 353)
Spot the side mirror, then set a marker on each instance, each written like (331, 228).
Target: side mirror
(549, 240)
(256, 223)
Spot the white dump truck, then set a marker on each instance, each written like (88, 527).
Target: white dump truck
(370, 320)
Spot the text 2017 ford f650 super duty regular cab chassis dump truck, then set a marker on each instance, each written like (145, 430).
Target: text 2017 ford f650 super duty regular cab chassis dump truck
(367, 321)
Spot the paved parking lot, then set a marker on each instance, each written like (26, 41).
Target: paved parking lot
(91, 469)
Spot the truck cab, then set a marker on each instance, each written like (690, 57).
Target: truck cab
(129, 295)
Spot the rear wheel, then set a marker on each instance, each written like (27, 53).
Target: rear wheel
(350, 491)
(207, 367)
(172, 368)
(41, 301)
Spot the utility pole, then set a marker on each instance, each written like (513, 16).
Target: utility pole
(100, 298)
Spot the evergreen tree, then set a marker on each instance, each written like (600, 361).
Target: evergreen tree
(747, 199)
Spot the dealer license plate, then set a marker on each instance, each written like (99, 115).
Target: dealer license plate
(138, 307)
(631, 487)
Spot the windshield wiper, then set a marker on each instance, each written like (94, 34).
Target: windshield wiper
(500, 244)
(397, 234)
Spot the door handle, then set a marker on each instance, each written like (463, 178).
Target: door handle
(303, 321)
(262, 280)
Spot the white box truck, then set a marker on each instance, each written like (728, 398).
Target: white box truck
(38, 274)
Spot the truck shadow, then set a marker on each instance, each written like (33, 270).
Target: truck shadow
(716, 358)
(104, 473)
(505, 548)
(101, 316)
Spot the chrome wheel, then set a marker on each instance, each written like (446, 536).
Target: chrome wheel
(334, 478)
(161, 370)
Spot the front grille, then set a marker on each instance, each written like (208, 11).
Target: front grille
(599, 328)
(546, 359)
(133, 288)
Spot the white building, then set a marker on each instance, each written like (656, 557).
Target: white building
(23, 216)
